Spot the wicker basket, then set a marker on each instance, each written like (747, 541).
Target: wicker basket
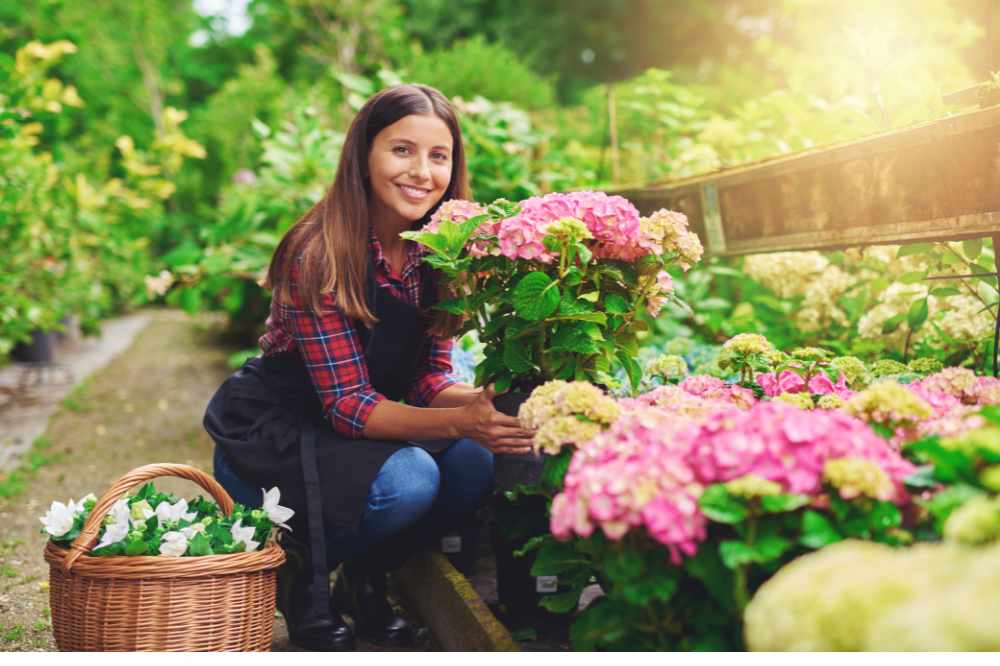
(210, 603)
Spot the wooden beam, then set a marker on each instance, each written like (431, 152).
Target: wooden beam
(935, 181)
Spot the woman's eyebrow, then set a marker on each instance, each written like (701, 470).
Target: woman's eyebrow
(412, 143)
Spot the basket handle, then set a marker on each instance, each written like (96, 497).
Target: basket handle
(88, 535)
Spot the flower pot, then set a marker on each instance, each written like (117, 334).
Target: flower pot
(509, 469)
(39, 350)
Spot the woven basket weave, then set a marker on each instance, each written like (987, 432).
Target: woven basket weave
(209, 603)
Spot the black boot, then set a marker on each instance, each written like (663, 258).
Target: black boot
(365, 593)
(319, 629)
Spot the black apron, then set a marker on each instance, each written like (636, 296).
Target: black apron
(269, 421)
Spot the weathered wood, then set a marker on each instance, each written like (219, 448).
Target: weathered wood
(934, 181)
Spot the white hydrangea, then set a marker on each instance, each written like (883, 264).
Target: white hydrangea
(819, 307)
(964, 318)
(787, 274)
(896, 300)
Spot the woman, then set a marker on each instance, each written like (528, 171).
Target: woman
(351, 334)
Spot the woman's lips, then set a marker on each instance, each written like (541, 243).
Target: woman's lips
(413, 193)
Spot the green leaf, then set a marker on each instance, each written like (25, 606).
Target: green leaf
(783, 502)
(455, 306)
(991, 413)
(735, 554)
(517, 355)
(573, 338)
(632, 368)
(719, 505)
(912, 277)
(562, 602)
(892, 323)
(884, 516)
(914, 248)
(769, 548)
(585, 254)
(941, 292)
(917, 314)
(950, 465)
(556, 557)
(536, 296)
(922, 478)
(503, 381)
(972, 248)
(817, 531)
(199, 545)
(615, 304)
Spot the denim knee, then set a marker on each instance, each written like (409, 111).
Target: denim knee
(404, 490)
(467, 467)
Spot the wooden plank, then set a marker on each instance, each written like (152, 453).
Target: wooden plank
(935, 181)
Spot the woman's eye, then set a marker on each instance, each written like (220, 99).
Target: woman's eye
(439, 156)
(400, 150)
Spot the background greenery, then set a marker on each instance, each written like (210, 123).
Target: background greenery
(233, 127)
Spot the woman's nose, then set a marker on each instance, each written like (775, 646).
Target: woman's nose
(420, 169)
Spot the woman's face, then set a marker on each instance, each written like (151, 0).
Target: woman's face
(409, 167)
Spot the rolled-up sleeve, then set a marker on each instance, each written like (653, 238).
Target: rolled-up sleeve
(332, 353)
(434, 376)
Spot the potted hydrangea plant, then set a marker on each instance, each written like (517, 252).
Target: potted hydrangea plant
(555, 287)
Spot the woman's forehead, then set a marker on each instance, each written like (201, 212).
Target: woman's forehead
(418, 129)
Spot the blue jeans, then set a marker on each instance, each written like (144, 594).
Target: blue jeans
(412, 484)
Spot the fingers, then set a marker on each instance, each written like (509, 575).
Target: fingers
(514, 449)
(489, 391)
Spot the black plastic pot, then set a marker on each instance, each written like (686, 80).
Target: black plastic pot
(39, 350)
(518, 592)
(510, 469)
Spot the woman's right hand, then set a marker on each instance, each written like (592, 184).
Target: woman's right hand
(496, 431)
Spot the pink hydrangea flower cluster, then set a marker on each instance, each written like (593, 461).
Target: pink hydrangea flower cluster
(789, 381)
(460, 210)
(631, 476)
(613, 221)
(650, 467)
(660, 289)
(963, 384)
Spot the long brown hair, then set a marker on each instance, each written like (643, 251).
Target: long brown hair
(333, 235)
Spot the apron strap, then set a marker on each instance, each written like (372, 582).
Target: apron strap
(318, 604)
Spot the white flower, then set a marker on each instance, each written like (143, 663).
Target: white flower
(58, 520)
(277, 514)
(83, 500)
(174, 544)
(167, 512)
(244, 535)
(141, 512)
(117, 525)
(191, 530)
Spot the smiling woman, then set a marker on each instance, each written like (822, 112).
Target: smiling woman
(350, 336)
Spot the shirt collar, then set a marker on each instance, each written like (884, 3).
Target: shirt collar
(413, 255)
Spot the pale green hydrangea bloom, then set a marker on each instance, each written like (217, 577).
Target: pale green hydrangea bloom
(668, 366)
(556, 432)
(891, 404)
(856, 477)
(748, 343)
(853, 369)
(885, 367)
(810, 354)
(569, 228)
(925, 365)
(801, 400)
(831, 401)
(975, 523)
(751, 486)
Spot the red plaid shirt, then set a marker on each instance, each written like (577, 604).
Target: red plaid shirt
(332, 350)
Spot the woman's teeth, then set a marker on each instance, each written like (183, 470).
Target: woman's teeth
(413, 192)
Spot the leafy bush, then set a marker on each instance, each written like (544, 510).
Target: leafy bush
(477, 68)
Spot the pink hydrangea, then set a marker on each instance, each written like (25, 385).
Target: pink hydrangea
(460, 210)
(649, 469)
(788, 381)
(613, 221)
(700, 384)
